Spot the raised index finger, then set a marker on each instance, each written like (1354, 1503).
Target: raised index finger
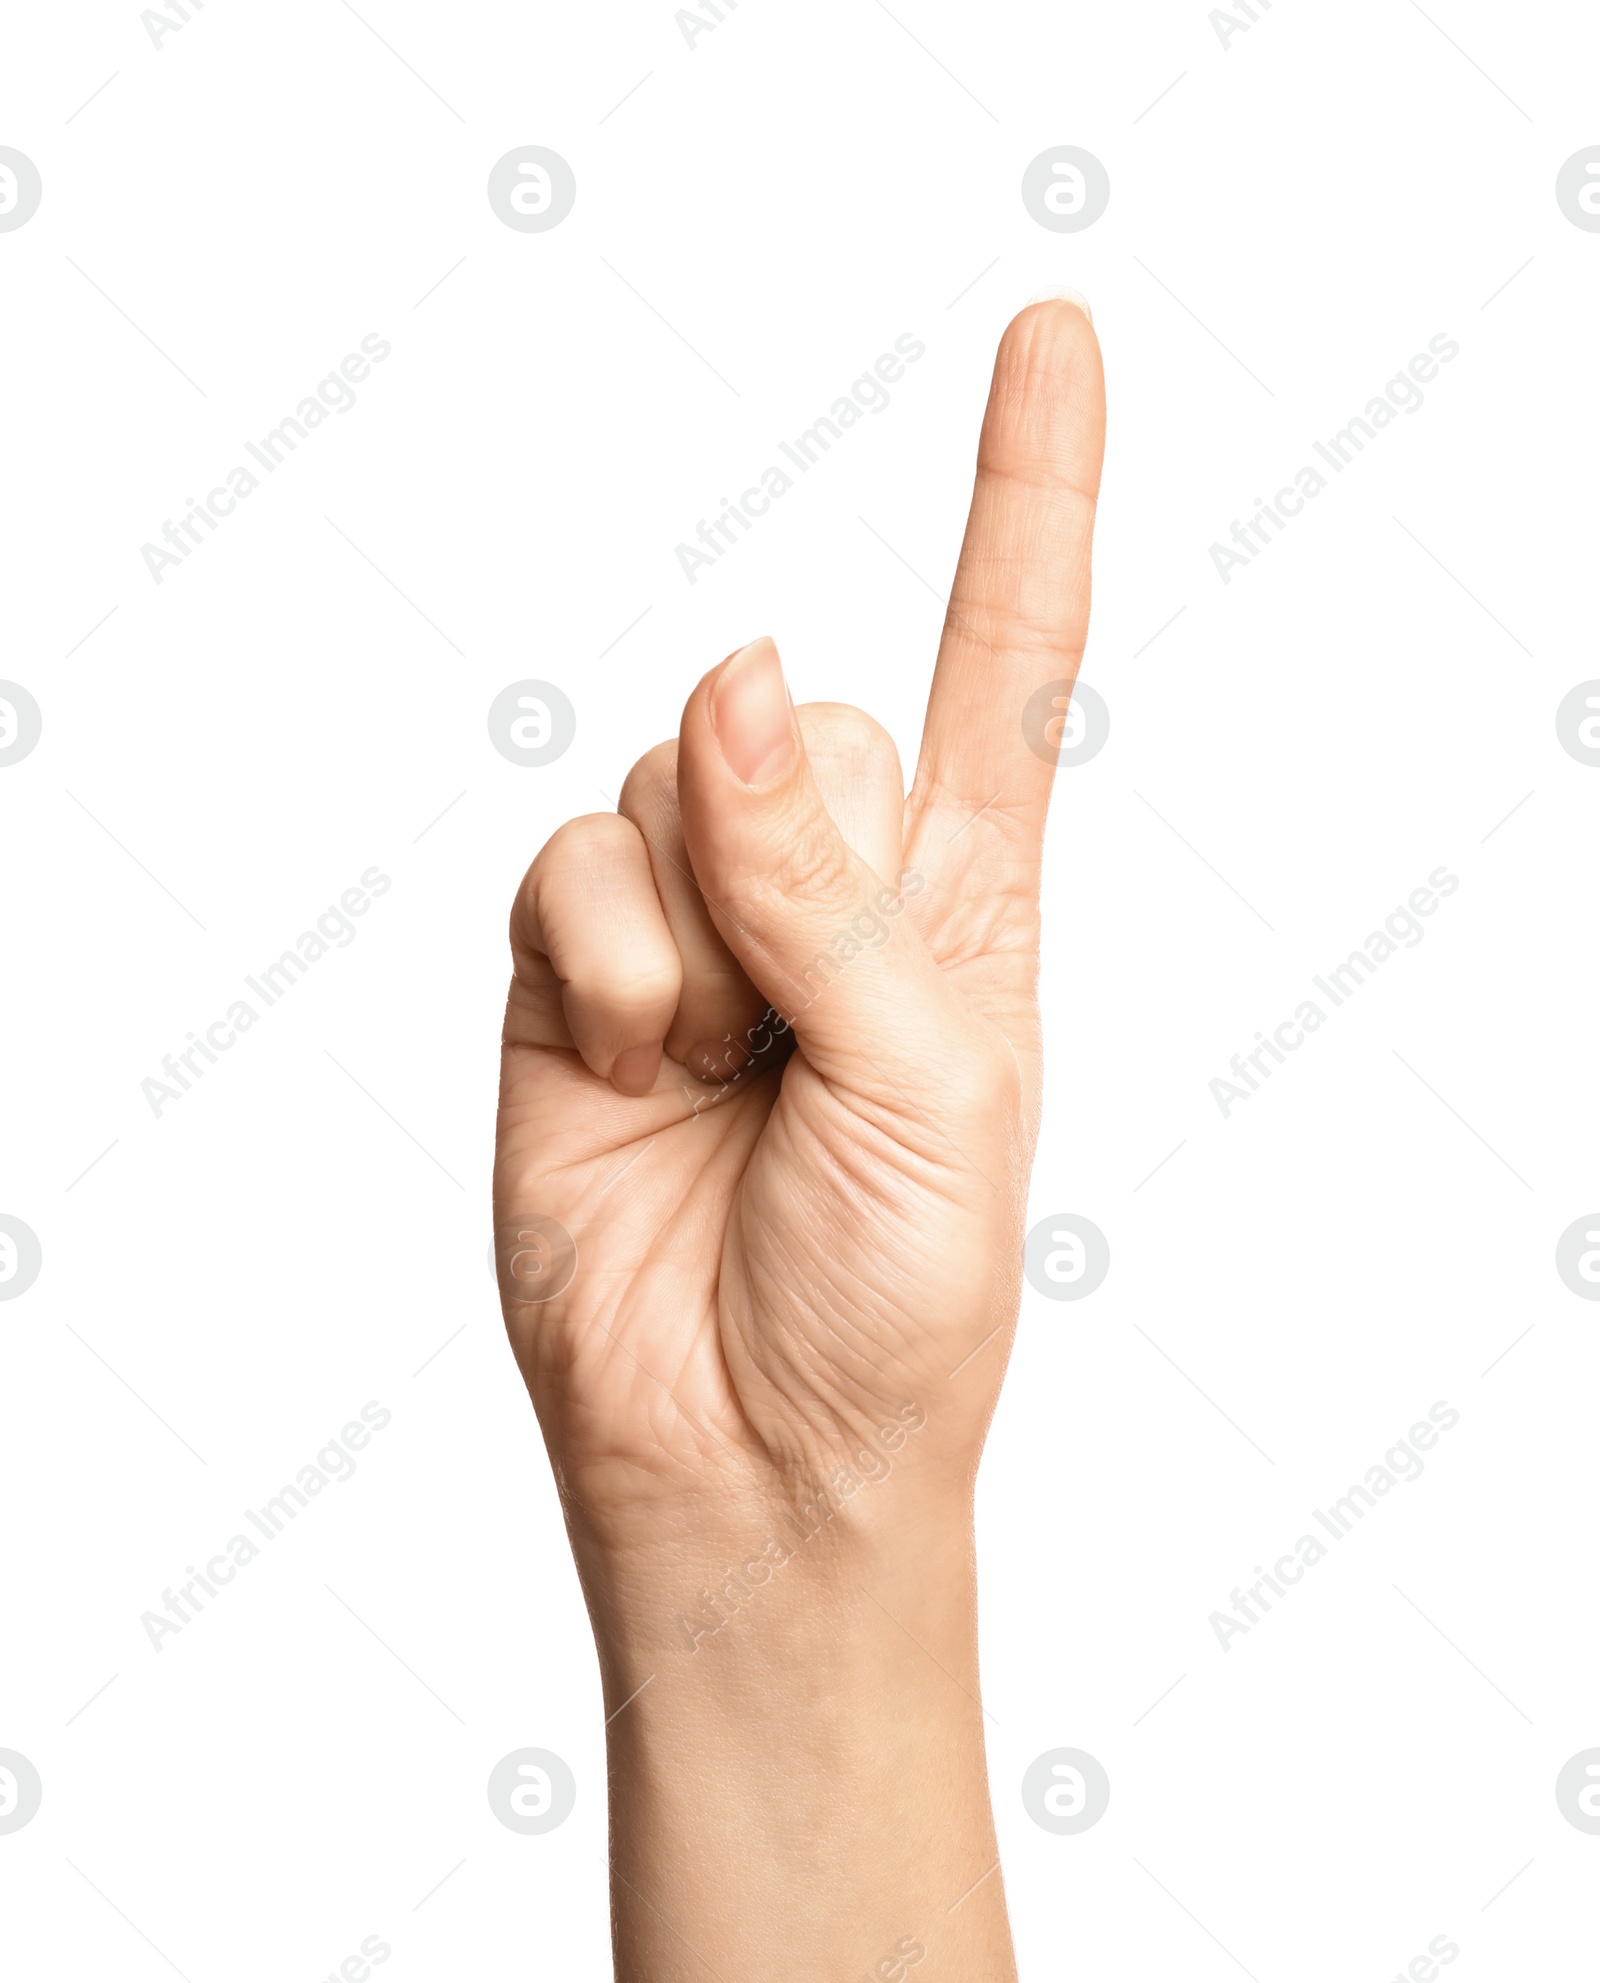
(1019, 609)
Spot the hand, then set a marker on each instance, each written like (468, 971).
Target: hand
(772, 1060)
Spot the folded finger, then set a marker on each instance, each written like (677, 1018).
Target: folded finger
(592, 948)
(718, 1007)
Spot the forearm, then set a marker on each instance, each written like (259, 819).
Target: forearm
(804, 1782)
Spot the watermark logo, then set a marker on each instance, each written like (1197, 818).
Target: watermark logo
(1065, 1790)
(1577, 189)
(1066, 189)
(21, 1792)
(1577, 1790)
(1577, 1257)
(1066, 723)
(1066, 1257)
(532, 1790)
(20, 1257)
(532, 189)
(532, 723)
(20, 723)
(537, 1258)
(1577, 722)
(21, 189)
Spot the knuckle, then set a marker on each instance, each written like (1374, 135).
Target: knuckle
(840, 730)
(592, 839)
(651, 785)
(655, 988)
(642, 988)
(576, 864)
(814, 864)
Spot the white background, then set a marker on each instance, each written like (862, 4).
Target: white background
(306, 695)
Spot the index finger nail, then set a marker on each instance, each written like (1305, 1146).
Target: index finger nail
(1072, 296)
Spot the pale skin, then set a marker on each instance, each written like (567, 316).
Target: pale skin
(765, 1387)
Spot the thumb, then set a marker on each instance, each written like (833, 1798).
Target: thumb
(818, 933)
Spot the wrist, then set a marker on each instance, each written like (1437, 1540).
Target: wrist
(738, 1599)
(773, 1559)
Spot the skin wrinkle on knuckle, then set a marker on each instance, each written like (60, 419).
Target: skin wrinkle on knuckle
(1036, 467)
(590, 839)
(811, 864)
(933, 793)
(582, 889)
(529, 964)
(567, 897)
(537, 999)
(1020, 610)
(1019, 627)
